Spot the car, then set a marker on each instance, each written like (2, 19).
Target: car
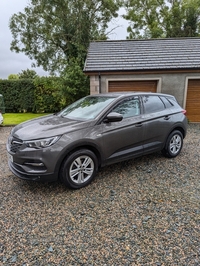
(2, 108)
(95, 131)
(1, 119)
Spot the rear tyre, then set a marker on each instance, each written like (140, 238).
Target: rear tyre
(79, 169)
(173, 144)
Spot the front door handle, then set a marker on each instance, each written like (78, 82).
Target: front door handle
(167, 117)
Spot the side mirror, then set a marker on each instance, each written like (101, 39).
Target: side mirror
(113, 117)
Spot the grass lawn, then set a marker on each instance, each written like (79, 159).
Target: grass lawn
(17, 118)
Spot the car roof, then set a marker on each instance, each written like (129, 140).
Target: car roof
(130, 93)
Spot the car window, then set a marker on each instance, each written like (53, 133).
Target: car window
(128, 108)
(173, 102)
(86, 108)
(166, 102)
(152, 104)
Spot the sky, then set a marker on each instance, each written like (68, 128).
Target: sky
(14, 63)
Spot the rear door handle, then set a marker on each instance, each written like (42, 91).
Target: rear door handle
(138, 125)
(167, 117)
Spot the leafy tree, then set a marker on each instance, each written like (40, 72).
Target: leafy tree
(192, 14)
(182, 19)
(27, 74)
(13, 76)
(52, 32)
(47, 94)
(75, 82)
(162, 18)
(144, 17)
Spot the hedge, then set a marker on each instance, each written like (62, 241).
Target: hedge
(43, 94)
(18, 95)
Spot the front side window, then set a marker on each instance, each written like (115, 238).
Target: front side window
(152, 104)
(128, 108)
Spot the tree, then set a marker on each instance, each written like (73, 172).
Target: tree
(75, 83)
(13, 76)
(192, 15)
(163, 18)
(52, 32)
(27, 74)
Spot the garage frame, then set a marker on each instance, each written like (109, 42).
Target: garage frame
(186, 88)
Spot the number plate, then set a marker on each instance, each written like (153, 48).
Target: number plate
(10, 157)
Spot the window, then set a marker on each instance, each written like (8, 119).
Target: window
(152, 104)
(86, 108)
(167, 103)
(128, 108)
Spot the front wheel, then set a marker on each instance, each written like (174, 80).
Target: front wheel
(173, 144)
(79, 169)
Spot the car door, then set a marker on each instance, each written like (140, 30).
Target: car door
(157, 121)
(124, 139)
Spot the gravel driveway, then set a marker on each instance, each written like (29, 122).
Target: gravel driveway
(140, 212)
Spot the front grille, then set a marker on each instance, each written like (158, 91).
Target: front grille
(15, 144)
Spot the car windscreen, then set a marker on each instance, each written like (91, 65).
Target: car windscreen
(86, 108)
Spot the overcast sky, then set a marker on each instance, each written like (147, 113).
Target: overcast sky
(13, 63)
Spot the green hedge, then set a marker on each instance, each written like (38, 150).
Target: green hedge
(47, 94)
(18, 95)
(28, 95)
(44, 94)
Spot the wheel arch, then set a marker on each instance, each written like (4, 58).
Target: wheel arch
(174, 150)
(73, 149)
(179, 128)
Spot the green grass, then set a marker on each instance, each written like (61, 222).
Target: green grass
(17, 118)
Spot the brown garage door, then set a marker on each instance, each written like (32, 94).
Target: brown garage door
(133, 85)
(193, 100)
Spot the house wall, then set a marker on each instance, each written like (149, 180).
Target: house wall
(94, 84)
(172, 83)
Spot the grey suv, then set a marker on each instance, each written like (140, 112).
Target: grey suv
(93, 132)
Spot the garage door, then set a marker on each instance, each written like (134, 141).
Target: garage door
(193, 100)
(133, 85)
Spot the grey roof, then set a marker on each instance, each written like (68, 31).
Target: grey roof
(135, 55)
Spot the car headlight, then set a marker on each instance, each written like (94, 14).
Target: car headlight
(41, 143)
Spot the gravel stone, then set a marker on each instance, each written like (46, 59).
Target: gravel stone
(144, 211)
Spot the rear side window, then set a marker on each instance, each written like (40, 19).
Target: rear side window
(152, 104)
(167, 103)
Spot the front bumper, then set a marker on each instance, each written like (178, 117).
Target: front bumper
(33, 164)
(43, 177)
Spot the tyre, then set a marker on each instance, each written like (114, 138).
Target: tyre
(79, 169)
(173, 144)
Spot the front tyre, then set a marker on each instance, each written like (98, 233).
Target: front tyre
(173, 144)
(79, 169)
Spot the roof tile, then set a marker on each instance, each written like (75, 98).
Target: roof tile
(180, 53)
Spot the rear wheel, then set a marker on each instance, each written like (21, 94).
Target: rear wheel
(173, 144)
(79, 169)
